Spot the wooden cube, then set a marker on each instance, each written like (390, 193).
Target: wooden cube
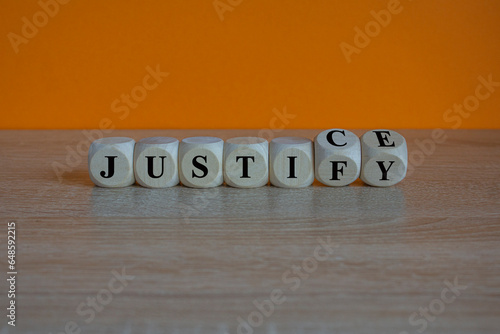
(384, 158)
(156, 161)
(200, 162)
(111, 162)
(246, 162)
(337, 157)
(291, 162)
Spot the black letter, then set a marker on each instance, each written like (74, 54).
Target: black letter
(292, 167)
(329, 137)
(200, 167)
(384, 171)
(111, 167)
(382, 140)
(336, 169)
(245, 165)
(150, 166)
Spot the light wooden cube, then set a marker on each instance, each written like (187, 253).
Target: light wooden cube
(111, 162)
(337, 157)
(384, 158)
(291, 162)
(246, 162)
(200, 162)
(155, 162)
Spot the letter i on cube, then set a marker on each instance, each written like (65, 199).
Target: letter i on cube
(291, 162)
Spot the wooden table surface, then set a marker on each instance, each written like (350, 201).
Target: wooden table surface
(197, 260)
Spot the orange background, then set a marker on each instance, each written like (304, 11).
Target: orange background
(233, 73)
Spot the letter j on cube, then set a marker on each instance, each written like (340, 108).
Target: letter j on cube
(111, 162)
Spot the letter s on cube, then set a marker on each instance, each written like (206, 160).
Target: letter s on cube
(200, 162)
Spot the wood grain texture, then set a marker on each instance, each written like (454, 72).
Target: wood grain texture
(200, 257)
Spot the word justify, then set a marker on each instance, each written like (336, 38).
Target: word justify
(337, 157)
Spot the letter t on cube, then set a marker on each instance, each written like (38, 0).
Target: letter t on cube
(246, 162)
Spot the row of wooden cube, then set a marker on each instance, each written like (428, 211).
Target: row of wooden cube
(336, 158)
